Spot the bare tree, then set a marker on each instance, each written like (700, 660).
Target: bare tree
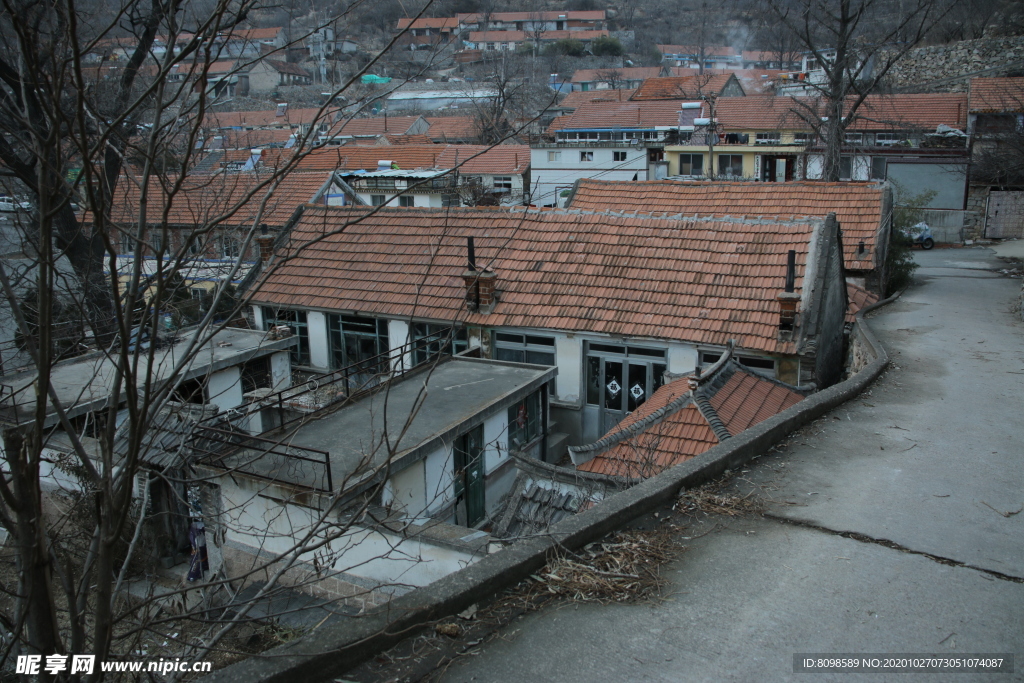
(854, 43)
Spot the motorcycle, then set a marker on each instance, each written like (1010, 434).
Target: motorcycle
(920, 234)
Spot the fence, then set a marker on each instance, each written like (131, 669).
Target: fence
(947, 225)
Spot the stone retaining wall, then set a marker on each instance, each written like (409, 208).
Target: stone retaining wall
(945, 68)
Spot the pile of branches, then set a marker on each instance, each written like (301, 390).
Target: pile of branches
(623, 568)
(712, 499)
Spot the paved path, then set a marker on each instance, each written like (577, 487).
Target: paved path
(927, 469)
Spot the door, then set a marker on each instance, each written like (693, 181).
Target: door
(619, 385)
(1005, 216)
(469, 477)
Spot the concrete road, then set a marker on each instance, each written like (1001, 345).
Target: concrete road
(926, 470)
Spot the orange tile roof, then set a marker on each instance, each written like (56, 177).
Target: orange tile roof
(249, 139)
(995, 95)
(700, 281)
(443, 128)
(376, 125)
(265, 118)
(520, 36)
(624, 115)
(911, 112)
(286, 67)
(631, 73)
(428, 22)
(557, 124)
(743, 401)
(858, 298)
(206, 199)
(570, 15)
(502, 159)
(252, 34)
(578, 97)
(761, 112)
(681, 87)
(750, 79)
(858, 206)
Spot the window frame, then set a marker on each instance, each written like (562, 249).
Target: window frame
(691, 156)
(768, 138)
(530, 411)
(586, 157)
(620, 156)
(525, 349)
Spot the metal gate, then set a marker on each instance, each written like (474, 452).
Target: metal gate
(1005, 216)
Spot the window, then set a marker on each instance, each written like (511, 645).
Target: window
(801, 138)
(763, 364)
(229, 246)
(441, 338)
(502, 182)
(886, 139)
(377, 199)
(846, 168)
(737, 138)
(406, 200)
(356, 339)
(490, 46)
(619, 156)
(586, 156)
(730, 165)
(525, 421)
(554, 156)
(296, 320)
(854, 138)
(156, 238)
(691, 164)
(256, 375)
(524, 348)
(127, 243)
(878, 167)
(767, 139)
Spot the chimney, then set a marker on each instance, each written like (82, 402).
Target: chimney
(479, 283)
(789, 299)
(266, 242)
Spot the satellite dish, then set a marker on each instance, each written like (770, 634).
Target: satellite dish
(638, 143)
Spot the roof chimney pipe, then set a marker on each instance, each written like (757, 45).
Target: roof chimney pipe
(791, 270)
(472, 253)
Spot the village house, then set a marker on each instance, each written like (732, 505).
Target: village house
(450, 175)
(534, 22)
(690, 56)
(695, 86)
(613, 78)
(427, 33)
(453, 129)
(547, 290)
(269, 75)
(863, 210)
(608, 140)
(510, 41)
(995, 196)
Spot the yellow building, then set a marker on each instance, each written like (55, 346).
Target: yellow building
(758, 137)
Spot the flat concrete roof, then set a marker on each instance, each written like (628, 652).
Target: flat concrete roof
(84, 384)
(443, 403)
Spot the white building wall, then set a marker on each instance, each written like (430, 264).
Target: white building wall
(682, 358)
(224, 388)
(318, 343)
(551, 176)
(569, 359)
(281, 370)
(439, 473)
(257, 317)
(398, 336)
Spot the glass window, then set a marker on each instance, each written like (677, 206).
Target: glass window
(554, 156)
(691, 164)
(356, 339)
(525, 348)
(846, 167)
(619, 156)
(296, 320)
(525, 421)
(767, 139)
(503, 182)
(442, 338)
(377, 199)
(886, 138)
(406, 200)
(586, 156)
(878, 167)
(730, 165)
(229, 246)
(127, 243)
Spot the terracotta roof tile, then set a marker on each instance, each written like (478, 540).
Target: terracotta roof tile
(207, 199)
(995, 95)
(428, 22)
(570, 15)
(502, 159)
(858, 298)
(703, 281)
(578, 97)
(445, 128)
(680, 87)
(266, 118)
(745, 400)
(858, 206)
(625, 115)
(520, 36)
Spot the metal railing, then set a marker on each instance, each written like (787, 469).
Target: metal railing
(220, 440)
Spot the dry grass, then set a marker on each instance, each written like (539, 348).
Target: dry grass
(624, 568)
(712, 499)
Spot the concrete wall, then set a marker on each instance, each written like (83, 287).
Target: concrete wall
(224, 388)
(319, 345)
(948, 180)
(281, 370)
(549, 178)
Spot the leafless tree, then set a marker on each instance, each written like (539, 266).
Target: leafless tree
(855, 44)
(76, 138)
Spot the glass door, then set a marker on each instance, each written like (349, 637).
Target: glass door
(469, 476)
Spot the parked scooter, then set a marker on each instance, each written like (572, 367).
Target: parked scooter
(920, 234)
